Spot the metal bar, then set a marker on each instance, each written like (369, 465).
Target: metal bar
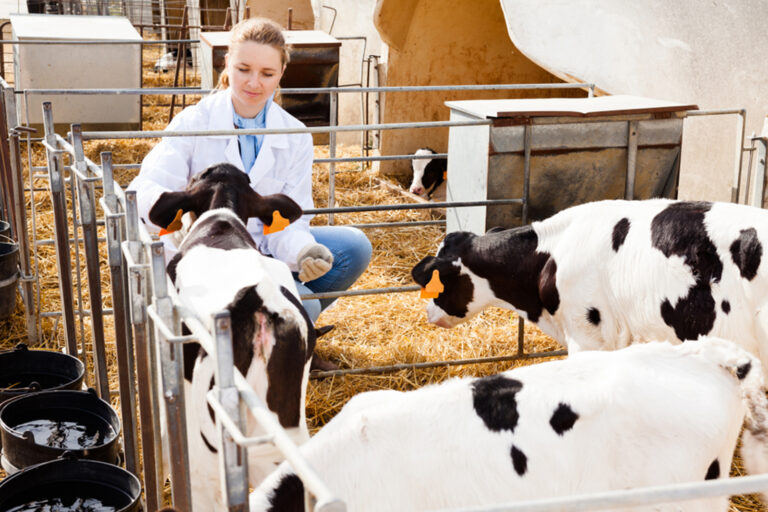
(527, 134)
(58, 205)
(233, 459)
(262, 131)
(398, 224)
(632, 497)
(87, 203)
(123, 350)
(761, 170)
(171, 359)
(355, 293)
(137, 270)
(237, 435)
(101, 41)
(22, 236)
(318, 90)
(740, 133)
(409, 206)
(436, 156)
(434, 364)
(332, 153)
(629, 184)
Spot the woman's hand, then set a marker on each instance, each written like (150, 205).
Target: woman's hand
(314, 260)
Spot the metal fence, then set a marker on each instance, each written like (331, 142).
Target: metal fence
(148, 314)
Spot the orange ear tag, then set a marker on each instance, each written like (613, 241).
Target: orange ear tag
(434, 286)
(175, 224)
(445, 175)
(279, 223)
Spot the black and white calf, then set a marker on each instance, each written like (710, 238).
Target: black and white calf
(428, 175)
(597, 421)
(219, 267)
(606, 274)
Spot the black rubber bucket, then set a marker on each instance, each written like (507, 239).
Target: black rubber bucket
(9, 276)
(5, 229)
(25, 371)
(39, 427)
(65, 481)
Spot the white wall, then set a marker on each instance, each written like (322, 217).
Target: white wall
(352, 18)
(707, 53)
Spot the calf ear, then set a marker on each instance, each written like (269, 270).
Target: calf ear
(422, 272)
(168, 204)
(319, 331)
(263, 207)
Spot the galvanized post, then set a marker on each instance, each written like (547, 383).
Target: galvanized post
(113, 221)
(524, 218)
(27, 278)
(740, 132)
(761, 170)
(87, 202)
(332, 154)
(629, 184)
(61, 229)
(233, 461)
(138, 282)
(171, 358)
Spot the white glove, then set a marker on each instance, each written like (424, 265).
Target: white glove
(314, 260)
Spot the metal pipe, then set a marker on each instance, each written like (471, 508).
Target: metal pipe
(63, 262)
(172, 361)
(629, 186)
(332, 154)
(434, 364)
(87, 203)
(325, 90)
(410, 206)
(633, 497)
(126, 385)
(233, 459)
(354, 293)
(263, 131)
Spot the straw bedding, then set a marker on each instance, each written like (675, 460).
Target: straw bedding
(375, 330)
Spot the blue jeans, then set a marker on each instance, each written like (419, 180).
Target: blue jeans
(351, 254)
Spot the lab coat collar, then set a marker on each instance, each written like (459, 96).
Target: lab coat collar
(221, 118)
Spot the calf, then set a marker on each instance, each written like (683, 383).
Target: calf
(428, 175)
(218, 267)
(606, 274)
(597, 421)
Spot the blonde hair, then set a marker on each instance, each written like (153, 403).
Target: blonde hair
(257, 30)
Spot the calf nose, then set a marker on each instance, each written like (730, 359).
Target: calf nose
(417, 190)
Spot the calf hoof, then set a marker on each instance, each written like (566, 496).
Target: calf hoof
(321, 365)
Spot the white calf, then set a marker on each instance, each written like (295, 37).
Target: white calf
(646, 415)
(606, 274)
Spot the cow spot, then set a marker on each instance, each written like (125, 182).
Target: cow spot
(743, 370)
(519, 461)
(593, 315)
(494, 401)
(726, 306)
(563, 418)
(679, 230)
(620, 231)
(713, 472)
(747, 252)
(288, 496)
(550, 297)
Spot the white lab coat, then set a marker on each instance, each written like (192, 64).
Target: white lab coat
(284, 165)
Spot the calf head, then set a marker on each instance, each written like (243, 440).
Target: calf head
(427, 173)
(222, 186)
(464, 293)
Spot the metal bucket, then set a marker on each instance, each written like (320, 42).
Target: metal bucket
(39, 427)
(9, 275)
(65, 481)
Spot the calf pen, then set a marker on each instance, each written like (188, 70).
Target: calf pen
(147, 317)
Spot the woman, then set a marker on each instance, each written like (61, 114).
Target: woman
(326, 258)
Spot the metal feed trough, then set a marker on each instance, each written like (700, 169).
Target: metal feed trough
(560, 152)
(148, 315)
